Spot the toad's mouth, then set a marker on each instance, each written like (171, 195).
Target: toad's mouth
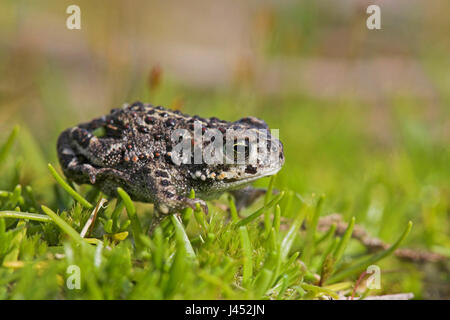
(239, 181)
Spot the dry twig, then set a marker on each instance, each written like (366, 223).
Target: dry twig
(375, 244)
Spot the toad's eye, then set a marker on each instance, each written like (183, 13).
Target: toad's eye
(241, 151)
(238, 151)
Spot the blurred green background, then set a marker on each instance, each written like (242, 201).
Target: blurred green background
(364, 115)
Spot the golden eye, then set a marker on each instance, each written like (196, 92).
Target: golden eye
(241, 148)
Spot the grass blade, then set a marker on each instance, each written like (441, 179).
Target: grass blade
(247, 256)
(310, 233)
(288, 240)
(260, 211)
(371, 260)
(262, 283)
(6, 147)
(233, 211)
(277, 219)
(177, 269)
(268, 195)
(339, 252)
(183, 236)
(25, 215)
(187, 212)
(69, 189)
(319, 290)
(131, 211)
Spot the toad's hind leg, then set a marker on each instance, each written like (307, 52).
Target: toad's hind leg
(101, 152)
(71, 164)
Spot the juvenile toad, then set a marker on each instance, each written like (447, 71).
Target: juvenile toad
(135, 147)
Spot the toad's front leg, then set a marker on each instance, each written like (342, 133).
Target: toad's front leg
(166, 199)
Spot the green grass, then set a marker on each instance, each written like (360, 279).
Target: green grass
(380, 163)
(209, 257)
(336, 166)
(338, 159)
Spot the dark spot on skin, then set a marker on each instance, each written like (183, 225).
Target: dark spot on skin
(165, 183)
(251, 169)
(168, 157)
(168, 194)
(82, 137)
(144, 129)
(137, 106)
(260, 124)
(160, 173)
(170, 123)
(146, 170)
(149, 120)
